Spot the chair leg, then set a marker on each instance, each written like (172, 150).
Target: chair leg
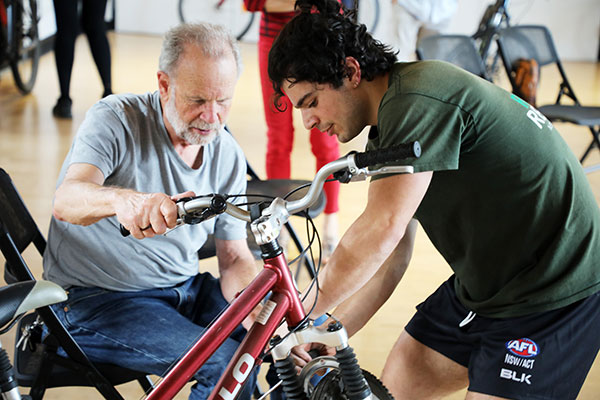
(594, 144)
(146, 384)
(38, 388)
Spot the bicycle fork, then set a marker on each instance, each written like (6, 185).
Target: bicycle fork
(334, 336)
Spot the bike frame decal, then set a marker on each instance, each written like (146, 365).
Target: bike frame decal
(266, 312)
(239, 374)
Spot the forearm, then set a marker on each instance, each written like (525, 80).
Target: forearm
(236, 278)
(371, 238)
(84, 203)
(353, 266)
(237, 269)
(358, 309)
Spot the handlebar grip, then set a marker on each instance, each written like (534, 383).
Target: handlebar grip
(124, 231)
(396, 153)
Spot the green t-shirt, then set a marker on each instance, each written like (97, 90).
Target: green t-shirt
(509, 206)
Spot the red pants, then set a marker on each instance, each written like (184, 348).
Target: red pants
(280, 134)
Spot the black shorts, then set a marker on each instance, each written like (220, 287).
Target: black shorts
(539, 356)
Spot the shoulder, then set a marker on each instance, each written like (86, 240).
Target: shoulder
(122, 116)
(429, 83)
(227, 143)
(128, 104)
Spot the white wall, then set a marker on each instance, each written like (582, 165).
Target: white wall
(575, 24)
(47, 23)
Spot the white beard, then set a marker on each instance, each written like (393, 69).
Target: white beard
(182, 128)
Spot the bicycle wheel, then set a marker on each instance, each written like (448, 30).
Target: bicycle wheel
(23, 43)
(368, 14)
(331, 387)
(229, 13)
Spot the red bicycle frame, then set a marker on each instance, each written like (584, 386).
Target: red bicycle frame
(284, 302)
(277, 278)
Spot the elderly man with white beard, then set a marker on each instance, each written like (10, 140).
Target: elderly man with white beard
(140, 301)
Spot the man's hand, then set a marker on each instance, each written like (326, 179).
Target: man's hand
(146, 215)
(301, 355)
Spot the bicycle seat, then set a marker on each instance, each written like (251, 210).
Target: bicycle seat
(18, 298)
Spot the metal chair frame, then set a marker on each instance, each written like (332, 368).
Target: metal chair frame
(535, 42)
(18, 231)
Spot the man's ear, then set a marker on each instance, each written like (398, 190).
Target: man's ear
(163, 85)
(353, 71)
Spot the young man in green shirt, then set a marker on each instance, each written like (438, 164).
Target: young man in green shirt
(497, 191)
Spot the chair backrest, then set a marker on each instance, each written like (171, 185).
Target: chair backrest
(524, 42)
(459, 50)
(17, 231)
(17, 228)
(531, 42)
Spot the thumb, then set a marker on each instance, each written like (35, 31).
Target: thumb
(178, 196)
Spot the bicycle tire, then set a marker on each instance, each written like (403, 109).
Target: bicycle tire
(331, 387)
(229, 13)
(24, 43)
(368, 14)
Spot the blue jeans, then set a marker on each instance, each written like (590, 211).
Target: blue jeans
(149, 330)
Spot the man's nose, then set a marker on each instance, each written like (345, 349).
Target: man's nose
(210, 113)
(309, 119)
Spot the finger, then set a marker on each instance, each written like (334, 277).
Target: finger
(158, 224)
(136, 232)
(298, 361)
(148, 231)
(168, 210)
(301, 354)
(178, 196)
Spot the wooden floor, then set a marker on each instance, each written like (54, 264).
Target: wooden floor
(33, 145)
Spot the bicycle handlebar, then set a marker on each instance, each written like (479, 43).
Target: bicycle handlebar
(389, 154)
(355, 163)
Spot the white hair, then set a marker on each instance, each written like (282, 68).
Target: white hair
(214, 40)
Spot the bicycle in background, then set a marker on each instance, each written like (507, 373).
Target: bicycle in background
(494, 18)
(234, 15)
(19, 41)
(230, 13)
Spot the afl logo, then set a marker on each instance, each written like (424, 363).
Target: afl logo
(523, 347)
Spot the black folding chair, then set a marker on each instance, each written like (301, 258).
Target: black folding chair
(37, 364)
(535, 42)
(459, 50)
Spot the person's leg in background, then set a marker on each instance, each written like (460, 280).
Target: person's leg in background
(280, 127)
(94, 26)
(402, 32)
(67, 28)
(326, 149)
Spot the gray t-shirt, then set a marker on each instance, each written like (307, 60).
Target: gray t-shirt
(125, 137)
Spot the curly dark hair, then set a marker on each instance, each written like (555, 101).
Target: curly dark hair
(314, 45)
